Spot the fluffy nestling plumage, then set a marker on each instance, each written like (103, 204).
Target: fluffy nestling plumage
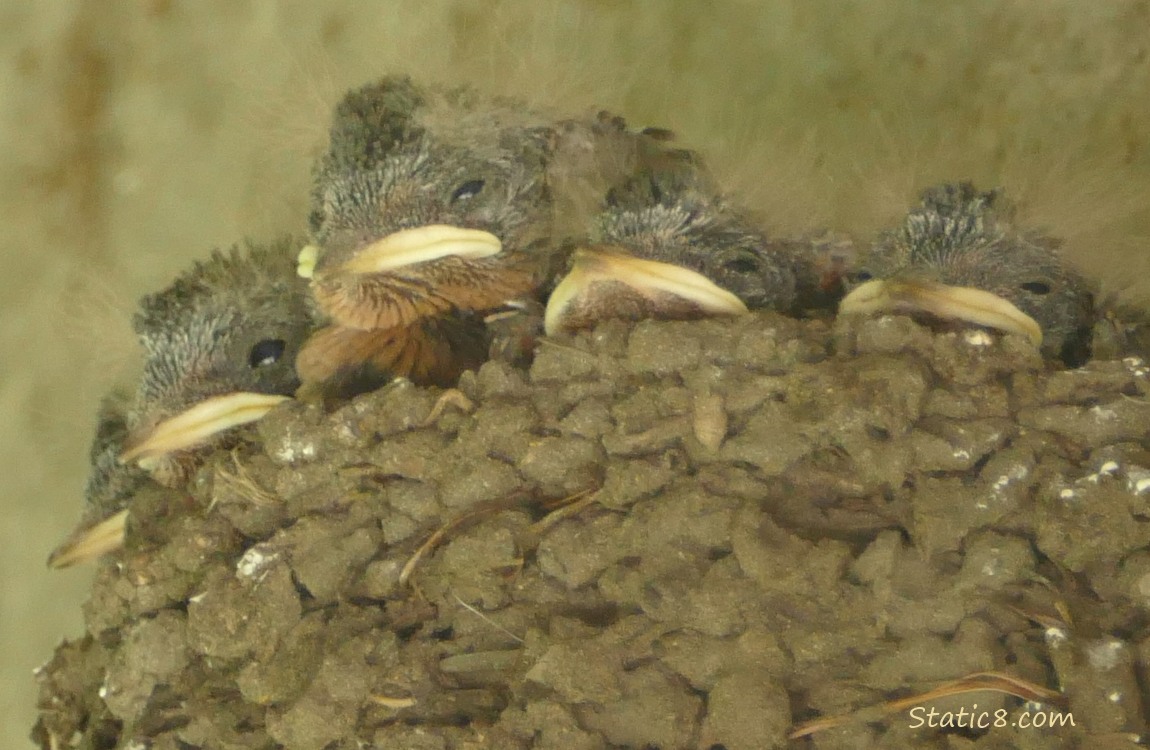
(667, 243)
(231, 323)
(219, 348)
(434, 207)
(959, 255)
(403, 158)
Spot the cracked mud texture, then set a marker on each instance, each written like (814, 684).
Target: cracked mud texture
(666, 535)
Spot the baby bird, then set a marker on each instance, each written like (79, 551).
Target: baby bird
(219, 349)
(433, 209)
(667, 245)
(110, 487)
(958, 256)
(430, 209)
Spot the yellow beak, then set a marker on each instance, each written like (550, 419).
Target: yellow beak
(91, 542)
(194, 426)
(661, 285)
(947, 302)
(409, 247)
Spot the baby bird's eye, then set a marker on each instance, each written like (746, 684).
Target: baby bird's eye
(266, 352)
(742, 264)
(467, 190)
(1036, 287)
(862, 275)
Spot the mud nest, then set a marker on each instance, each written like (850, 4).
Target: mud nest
(666, 535)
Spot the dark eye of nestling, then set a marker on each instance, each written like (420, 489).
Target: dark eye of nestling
(469, 189)
(1036, 287)
(862, 275)
(742, 264)
(266, 352)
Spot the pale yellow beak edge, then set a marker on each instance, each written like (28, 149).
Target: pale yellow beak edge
(948, 302)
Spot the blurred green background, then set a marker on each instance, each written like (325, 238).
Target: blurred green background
(136, 136)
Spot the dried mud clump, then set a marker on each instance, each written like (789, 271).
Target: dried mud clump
(666, 535)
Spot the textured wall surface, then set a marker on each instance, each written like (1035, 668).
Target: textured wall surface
(135, 136)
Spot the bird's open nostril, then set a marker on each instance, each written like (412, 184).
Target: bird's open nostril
(266, 352)
(1035, 287)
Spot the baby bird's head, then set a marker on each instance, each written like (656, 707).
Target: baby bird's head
(426, 196)
(673, 212)
(959, 256)
(219, 350)
(402, 157)
(667, 245)
(219, 346)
